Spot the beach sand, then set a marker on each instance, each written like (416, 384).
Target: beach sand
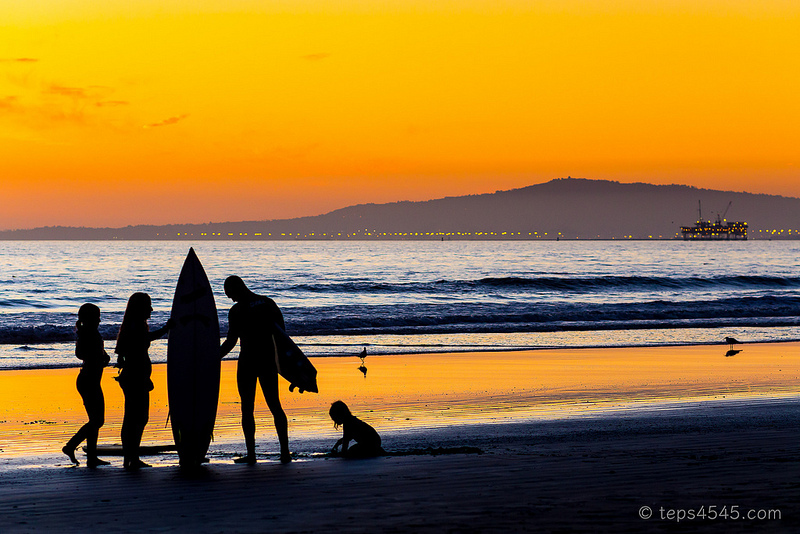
(569, 440)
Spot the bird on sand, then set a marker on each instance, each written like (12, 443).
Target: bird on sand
(363, 367)
(731, 341)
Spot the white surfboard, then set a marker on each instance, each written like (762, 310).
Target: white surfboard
(193, 363)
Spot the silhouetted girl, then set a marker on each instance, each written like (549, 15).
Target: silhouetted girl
(133, 343)
(89, 349)
(368, 442)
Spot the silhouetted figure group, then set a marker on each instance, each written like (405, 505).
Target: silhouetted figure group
(250, 323)
(133, 360)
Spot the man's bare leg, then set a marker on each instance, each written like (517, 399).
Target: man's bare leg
(247, 394)
(278, 416)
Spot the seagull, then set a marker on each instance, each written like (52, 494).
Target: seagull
(731, 341)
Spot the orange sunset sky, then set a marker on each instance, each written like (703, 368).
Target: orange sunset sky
(155, 111)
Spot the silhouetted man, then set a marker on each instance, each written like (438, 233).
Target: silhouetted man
(251, 321)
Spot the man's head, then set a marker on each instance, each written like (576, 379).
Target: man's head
(235, 288)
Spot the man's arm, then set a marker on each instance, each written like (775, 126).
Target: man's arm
(231, 339)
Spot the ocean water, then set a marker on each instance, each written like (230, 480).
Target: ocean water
(417, 297)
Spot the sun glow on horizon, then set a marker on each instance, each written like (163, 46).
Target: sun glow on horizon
(114, 114)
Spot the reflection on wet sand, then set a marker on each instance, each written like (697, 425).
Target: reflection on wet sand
(39, 409)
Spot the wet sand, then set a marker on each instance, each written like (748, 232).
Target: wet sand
(574, 440)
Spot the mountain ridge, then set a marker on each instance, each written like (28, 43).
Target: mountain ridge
(563, 208)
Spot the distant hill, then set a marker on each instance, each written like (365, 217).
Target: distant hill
(566, 208)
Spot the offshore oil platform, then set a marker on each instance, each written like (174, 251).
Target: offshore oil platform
(717, 230)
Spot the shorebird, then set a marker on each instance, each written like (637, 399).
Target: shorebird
(731, 341)
(363, 367)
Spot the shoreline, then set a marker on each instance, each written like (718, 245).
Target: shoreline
(448, 350)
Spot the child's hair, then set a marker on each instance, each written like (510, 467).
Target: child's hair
(339, 412)
(87, 313)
